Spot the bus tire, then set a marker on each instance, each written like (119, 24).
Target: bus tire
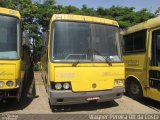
(134, 90)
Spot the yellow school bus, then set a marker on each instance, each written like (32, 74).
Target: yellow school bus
(81, 60)
(142, 59)
(14, 57)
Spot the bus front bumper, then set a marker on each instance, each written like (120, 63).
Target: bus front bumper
(69, 97)
(8, 93)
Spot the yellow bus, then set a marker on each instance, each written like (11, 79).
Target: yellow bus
(14, 58)
(81, 60)
(142, 59)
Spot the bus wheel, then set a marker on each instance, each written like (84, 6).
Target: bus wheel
(135, 90)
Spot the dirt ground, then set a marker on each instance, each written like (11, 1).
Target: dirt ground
(38, 104)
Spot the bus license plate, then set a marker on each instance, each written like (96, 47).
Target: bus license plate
(93, 98)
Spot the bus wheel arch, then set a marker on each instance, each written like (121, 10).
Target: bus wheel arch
(133, 88)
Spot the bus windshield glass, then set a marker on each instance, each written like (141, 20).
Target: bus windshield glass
(85, 42)
(9, 37)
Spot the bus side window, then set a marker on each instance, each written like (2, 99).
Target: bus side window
(155, 61)
(135, 42)
(158, 48)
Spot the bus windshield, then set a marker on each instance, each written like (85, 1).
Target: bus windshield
(86, 42)
(9, 37)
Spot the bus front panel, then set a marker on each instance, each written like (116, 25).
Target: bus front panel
(85, 63)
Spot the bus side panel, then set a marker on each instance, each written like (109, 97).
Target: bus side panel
(154, 94)
(135, 66)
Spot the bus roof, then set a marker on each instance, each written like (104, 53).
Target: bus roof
(151, 23)
(11, 12)
(83, 18)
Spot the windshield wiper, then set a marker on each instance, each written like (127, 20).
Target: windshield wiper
(77, 62)
(92, 51)
(106, 60)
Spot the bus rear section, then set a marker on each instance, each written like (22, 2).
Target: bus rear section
(141, 57)
(84, 60)
(13, 67)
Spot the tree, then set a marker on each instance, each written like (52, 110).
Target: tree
(157, 12)
(36, 16)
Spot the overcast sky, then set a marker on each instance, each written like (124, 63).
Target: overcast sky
(151, 5)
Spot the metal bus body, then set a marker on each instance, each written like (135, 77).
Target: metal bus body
(15, 58)
(81, 60)
(141, 57)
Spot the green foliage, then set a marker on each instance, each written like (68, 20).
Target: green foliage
(157, 13)
(36, 17)
(37, 67)
(126, 16)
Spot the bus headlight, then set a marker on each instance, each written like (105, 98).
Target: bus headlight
(58, 86)
(66, 86)
(118, 82)
(2, 84)
(10, 83)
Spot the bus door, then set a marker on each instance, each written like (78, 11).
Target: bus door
(154, 68)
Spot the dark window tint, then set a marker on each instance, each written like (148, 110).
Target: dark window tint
(155, 61)
(74, 41)
(71, 40)
(9, 37)
(135, 42)
(105, 39)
